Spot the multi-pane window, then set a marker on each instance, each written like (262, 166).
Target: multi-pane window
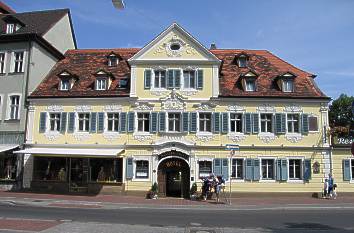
(65, 84)
(250, 84)
(295, 169)
(113, 122)
(205, 168)
(313, 125)
(123, 83)
(288, 85)
(293, 123)
(267, 169)
(101, 84)
(205, 122)
(174, 122)
(84, 122)
(143, 122)
(236, 122)
(266, 123)
(242, 61)
(142, 169)
(237, 169)
(112, 60)
(10, 28)
(174, 77)
(2, 63)
(54, 120)
(189, 79)
(160, 79)
(14, 107)
(18, 62)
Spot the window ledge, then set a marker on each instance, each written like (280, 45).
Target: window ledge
(267, 137)
(266, 181)
(351, 182)
(295, 181)
(294, 137)
(111, 135)
(142, 136)
(52, 135)
(204, 136)
(82, 135)
(141, 179)
(236, 136)
(235, 180)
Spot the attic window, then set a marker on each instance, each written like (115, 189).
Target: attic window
(112, 60)
(250, 84)
(175, 46)
(101, 84)
(65, 84)
(10, 28)
(286, 82)
(123, 83)
(66, 81)
(242, 61)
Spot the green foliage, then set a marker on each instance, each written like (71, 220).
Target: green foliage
(154, 188)
(194, 188)
(341, 117)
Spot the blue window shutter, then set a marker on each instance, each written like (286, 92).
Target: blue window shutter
(170, 79)
(162, 122)
(280, 123)
(256, 169)
(255, 121)
(123, 122)
(305, 124)
(129, 168)
(248, 123)
(216, 122)
(200, 79)
(63, 119)
(193, 122)
(284, 169)
(346, 170)
(283, 123)
(307, 169)
(225, 168)
(225, 123)
(71, 122)
(185, 121)
(153, 120)
(278, 169)
(217, 167)
(93, 121)
(42, 122)
(147, 79)
(177, 74)
(131, 122)
(249, 169)
(100, 122)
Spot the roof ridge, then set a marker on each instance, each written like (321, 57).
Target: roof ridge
(40, 11)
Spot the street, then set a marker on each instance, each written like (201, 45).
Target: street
(135, 219)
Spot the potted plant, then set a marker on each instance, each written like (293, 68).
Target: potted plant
(193, 191)
(152, 194)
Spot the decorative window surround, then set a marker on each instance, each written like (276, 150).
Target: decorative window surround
(141, 158)
(83, 108)
(55, 108)
(174, 138)
(205, 106)
(173, 102)
(52, 135)
(159, 91)
(236, 108)
(267, 137)
(143, 106)
(189, 92)
(112, 108)
(293, 137)
(236, 137)
(111, 136)
(184, 47)
(82, 136)
(204, 136)
(142, 136)
(265, 108)
(293, 108)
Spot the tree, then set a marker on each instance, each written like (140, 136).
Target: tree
(341, 117)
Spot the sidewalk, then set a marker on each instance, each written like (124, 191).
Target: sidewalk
(112, 201)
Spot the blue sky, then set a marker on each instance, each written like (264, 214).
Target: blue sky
(316, 35)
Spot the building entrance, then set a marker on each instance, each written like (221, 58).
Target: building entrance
(173, 178)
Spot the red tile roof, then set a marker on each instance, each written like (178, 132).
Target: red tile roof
(5, 9)
(84, 63)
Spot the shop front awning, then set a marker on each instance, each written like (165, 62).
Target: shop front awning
(6, 147)
(72, 152)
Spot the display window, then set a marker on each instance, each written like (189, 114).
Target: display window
(8, 167)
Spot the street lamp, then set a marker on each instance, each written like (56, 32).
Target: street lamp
(119, 4)
(232, 148)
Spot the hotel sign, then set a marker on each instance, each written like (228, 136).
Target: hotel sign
(173, 154)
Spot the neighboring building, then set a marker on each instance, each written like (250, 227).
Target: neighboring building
(122, 119)
(31, 43)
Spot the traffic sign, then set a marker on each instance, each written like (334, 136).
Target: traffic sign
(232, 147)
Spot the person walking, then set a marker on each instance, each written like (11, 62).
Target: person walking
(330, 185)
(325, 189)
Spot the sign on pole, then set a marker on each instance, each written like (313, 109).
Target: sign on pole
(232, 147)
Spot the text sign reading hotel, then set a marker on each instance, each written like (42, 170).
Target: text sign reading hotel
(174, 154)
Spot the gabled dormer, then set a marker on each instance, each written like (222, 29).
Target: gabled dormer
(249, 81)
(113, 59)
(67, 80)
(241, 60)
(103, 80)
(285, 82)
(12, 24)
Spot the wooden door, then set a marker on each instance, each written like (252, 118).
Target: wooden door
(161, 181)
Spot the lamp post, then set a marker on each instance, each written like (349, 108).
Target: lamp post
(232, 148)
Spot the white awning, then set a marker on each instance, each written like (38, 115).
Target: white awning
(72, 152)
(7, 147)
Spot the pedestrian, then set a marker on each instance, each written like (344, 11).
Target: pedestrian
(325, 189)
(334, 191)
(330, 184)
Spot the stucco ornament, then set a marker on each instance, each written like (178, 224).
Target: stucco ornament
(111, 136)
(83, 108)
(267, 138)
(236, 108)
(55, 108)
(266, 108)
(236, 137)
(204, 137)
(174, 138)
(142, 137)
(205, 106)
(52, 136)
(294, 138)
(173, 102)
(293, 108)
(175, 40)
(112, 108)
(143, 106)
(81, 136)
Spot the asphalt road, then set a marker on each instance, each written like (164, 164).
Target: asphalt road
(277, 220)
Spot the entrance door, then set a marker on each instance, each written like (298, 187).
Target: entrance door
(174, 183)
(79, 174)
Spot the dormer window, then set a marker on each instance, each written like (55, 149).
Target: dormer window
(66, 81)
(123, 83)
(113, 59)
(65, 84)
(101, 84)
(250, 84)
(242, 61)
(10, 28)
(286, 82)
(288, 85)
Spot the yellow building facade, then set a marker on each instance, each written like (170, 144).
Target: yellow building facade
(122, 119)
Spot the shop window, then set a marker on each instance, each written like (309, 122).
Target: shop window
(104, 170)
(236, 123)
(174, 122)
(237, 169)
(295, 169)
(267, 169)
(8, 167)
(266, 123)
(142, 169)
(143, 122)
(50, 169)
(205, 122)
(293, 123)
(205, 168)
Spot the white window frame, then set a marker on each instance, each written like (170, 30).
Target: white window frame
(78, 122)
(251, 80)
(242, 123)
(204, 160)
(274, 169)
(99, 85)
(10, 28)
(3, 63)
(271, 120)
(154, 79)
(110, 57)
(137, 122)
(285, 85)
(351, 170)
(142, 158)
(183, 83)
(62, 82)
(1, 105)
(106, 123)
(13, 60)
(243, 170)
(287, 126)
(301, 180)
(50, 119)
(211, 123)
(239, 61)
(9, 106)
(168, 122)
